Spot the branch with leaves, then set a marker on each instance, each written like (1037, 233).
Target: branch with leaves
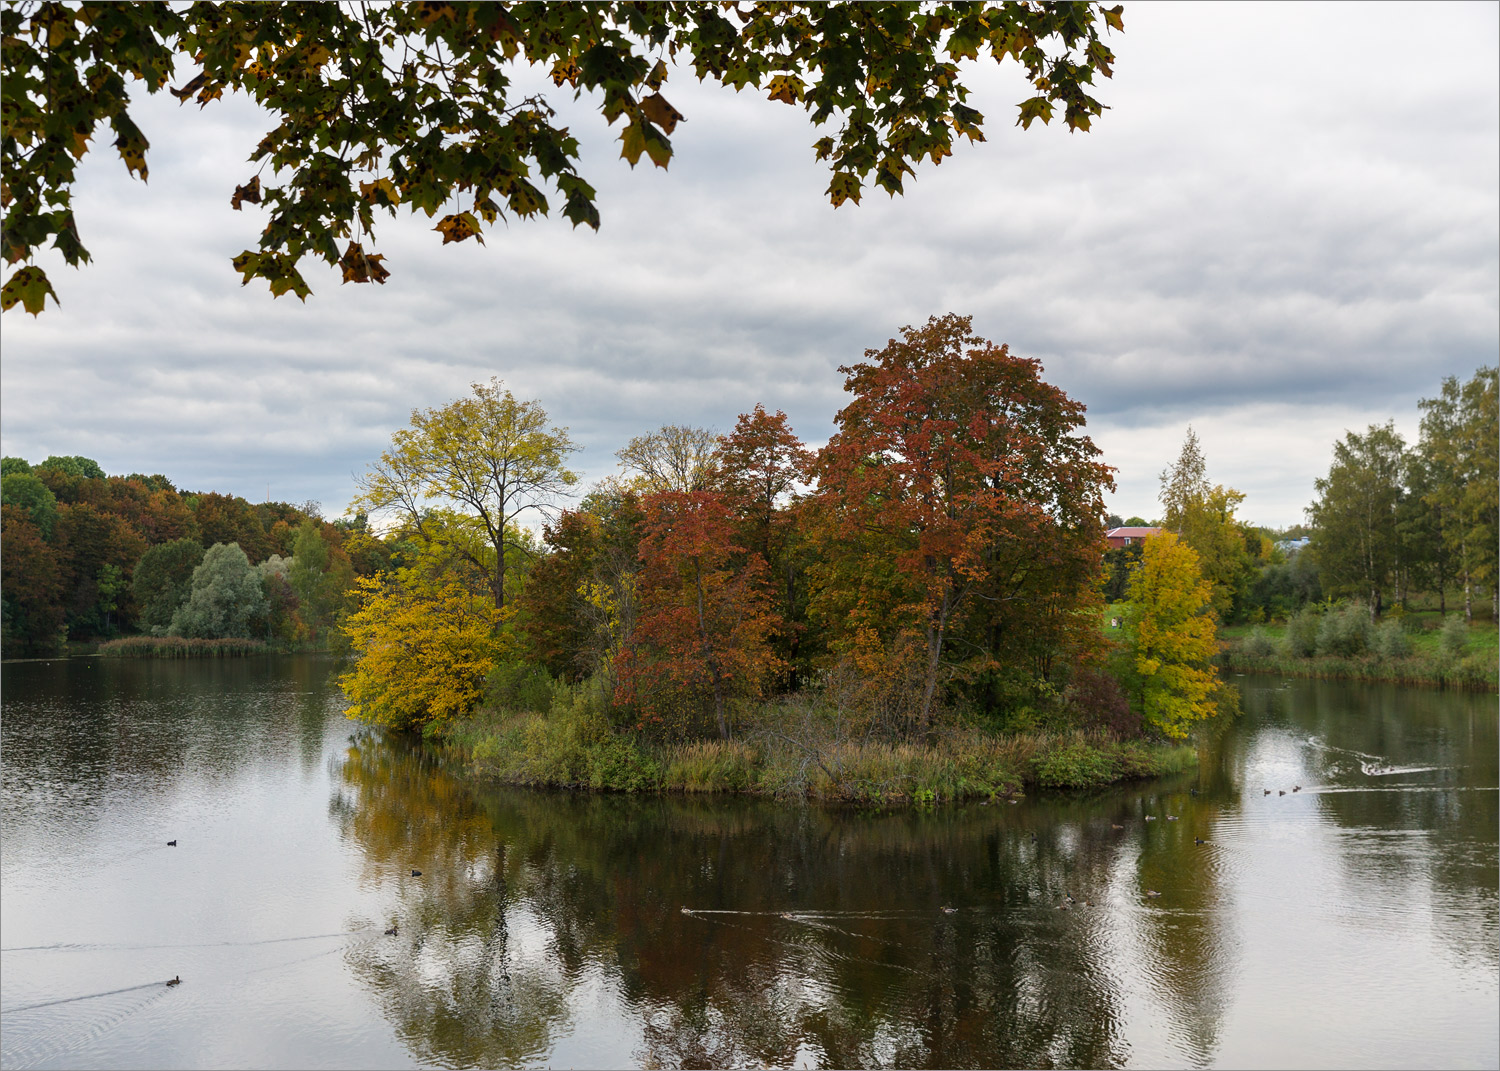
(411, 103)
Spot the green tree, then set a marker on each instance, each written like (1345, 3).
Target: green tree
(490, 456)
(579, 607)
(28, 493)
(82, 467)
(163, 580)
(411, 103)
(226, 597)
(1355, 537)
(1170, 639)
(1203, 516)
(1461, 445)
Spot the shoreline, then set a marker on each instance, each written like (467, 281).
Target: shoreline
(528, 750)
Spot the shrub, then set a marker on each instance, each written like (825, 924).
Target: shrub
(1391, 641)
(518, 687)
(1302, 633)
(1074, 765)
(1100, 702)
(1259, 645)
(1345, 632)
(1455, 636)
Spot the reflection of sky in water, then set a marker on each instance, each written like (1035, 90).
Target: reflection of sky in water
(1354, 921)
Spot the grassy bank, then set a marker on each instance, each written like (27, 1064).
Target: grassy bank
(797, 751)
(178, 647)
(1412, 650)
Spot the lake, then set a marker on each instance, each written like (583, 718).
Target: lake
(1355, 922)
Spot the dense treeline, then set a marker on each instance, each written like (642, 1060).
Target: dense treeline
(1393, 520)
(89, 557)
(934, 569)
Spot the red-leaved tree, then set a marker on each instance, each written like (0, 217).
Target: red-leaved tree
(956, 493)
(702, 627)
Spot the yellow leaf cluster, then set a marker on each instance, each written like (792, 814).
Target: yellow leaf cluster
(1172, 637)
(423, 656)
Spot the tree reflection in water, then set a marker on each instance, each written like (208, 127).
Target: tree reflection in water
(808, 935)
(671, 931)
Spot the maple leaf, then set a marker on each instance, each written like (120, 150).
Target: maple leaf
(250, 191)
(380, 192)
(785, 87)
(661, 113)
(360, 267)
(844, 187)
(457, 226)
(30, 287)
(131, 143)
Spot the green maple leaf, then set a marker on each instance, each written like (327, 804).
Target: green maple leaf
(29, 286)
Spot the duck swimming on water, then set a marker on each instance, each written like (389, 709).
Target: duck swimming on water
(416, 873)
(175, 980)
(171, 844)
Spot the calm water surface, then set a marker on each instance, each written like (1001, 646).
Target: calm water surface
(1353, 923)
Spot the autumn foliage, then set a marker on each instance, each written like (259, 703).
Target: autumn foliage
(1171, 638)
(701, 635)
(423, 654)
(961, 513)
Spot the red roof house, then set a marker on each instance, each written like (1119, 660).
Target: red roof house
(1123, 537)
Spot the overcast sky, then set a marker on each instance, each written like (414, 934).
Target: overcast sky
(1285, 227)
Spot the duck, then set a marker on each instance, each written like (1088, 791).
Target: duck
(1171, 818)
(416, 873)
(1152, 892)
(1282, 792)
(1265, 792)
(391, 932)
(949, 910)
(1199, 840)
(1113, 826)
(1192, 792)
(1151, 818)
(176, 980)
(171, 844)
(1068, 898)
(686, 910)
(1296, 788)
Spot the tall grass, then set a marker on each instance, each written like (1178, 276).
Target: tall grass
(180, 647)
(794, 748)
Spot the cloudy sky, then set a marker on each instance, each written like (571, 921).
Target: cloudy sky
(1285, 227)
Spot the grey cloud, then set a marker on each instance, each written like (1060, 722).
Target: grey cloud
(1268, 235)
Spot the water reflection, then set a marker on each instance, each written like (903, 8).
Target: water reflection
(695, 934)
(1353, 920)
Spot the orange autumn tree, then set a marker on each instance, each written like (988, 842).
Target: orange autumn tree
(761, 463)
(962, 514)
(701, 634)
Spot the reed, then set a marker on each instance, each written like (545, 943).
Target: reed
(180, 647)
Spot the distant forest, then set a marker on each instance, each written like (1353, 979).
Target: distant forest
(89, 557)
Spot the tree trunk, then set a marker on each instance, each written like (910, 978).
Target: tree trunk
(1463, 549)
